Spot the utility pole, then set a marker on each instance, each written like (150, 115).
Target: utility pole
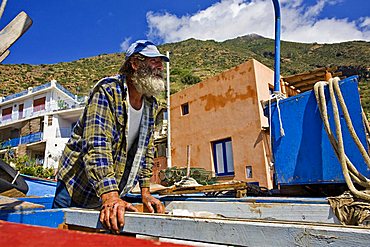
(169, 158)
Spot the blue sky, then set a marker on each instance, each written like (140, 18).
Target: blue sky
(68, 30)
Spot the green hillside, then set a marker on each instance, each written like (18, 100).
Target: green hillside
(194, 60)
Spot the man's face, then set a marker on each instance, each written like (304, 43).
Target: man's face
(148, 77)
(156, 65)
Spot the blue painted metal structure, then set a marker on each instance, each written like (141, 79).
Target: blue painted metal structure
(37, 217)
(304, 155)
(277, 46)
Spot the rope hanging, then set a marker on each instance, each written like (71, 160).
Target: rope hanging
(276, 97)
(349, 170)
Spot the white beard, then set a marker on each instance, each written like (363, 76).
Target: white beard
(149, 85)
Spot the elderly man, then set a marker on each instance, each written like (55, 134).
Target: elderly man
(111, 147)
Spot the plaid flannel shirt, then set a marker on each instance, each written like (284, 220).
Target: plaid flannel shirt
(94, 158)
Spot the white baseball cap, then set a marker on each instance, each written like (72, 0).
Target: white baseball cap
(145, 48)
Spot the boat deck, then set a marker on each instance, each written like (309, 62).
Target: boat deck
(245, 221)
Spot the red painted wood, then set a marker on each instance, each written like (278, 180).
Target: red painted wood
(17, 235)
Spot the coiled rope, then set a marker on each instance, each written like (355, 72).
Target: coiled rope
(349, 170)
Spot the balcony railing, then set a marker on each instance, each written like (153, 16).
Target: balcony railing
(39, 108)
(25, 92)
(6, 117)
(14, 142)
(13, 96)
(41, 87)
(36, 111)
(80, 99)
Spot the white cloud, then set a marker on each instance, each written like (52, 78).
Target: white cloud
(228, 19)
(125, 44)
(365, 22)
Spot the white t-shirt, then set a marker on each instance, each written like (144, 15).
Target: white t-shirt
(134, 119)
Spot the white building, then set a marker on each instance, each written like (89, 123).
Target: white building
(38, 122)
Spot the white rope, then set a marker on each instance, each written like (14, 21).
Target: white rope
(282, 132)
(15, 178)
(278, 97)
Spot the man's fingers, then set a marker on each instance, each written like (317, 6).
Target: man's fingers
(112, 215)
(102, 217)
(130, 207)
(107, 218)
(113, 218)
(121, 215)
(150, 208)
(159, 207)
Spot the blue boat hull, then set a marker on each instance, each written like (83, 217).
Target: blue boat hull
(40, 187)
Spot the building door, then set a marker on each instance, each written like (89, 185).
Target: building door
(223, 157)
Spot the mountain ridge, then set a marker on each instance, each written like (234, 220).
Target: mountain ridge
(195, 60)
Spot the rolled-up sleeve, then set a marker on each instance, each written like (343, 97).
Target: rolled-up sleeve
(98, 143)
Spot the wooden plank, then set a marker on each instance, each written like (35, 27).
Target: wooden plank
(14, 30)
(297, 77)
(309, 81)
(298, 81)
(239, 232)
(269, 211)
(250, 199)
(309, 86)
(4, 55)
(13, 193)
(7, 203)
(206, 188)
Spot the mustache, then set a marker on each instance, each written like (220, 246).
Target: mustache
(146, 71)
(156, 73)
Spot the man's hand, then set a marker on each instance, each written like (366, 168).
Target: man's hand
(113, 211)
(153, 204)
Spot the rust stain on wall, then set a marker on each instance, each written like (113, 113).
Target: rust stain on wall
(198, 148)
(214, 102)
(173, 151)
